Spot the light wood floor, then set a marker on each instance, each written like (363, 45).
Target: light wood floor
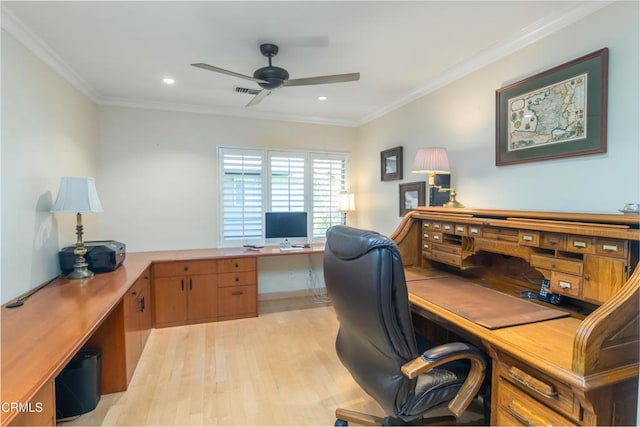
(277, 369)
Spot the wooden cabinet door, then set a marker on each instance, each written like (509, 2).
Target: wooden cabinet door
(603, 277)
(170, 300)
(145, 310)
(132, 344)
(203, 297)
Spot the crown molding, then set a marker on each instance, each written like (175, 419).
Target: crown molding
(228, 112)
(532, 33)
(42, 51)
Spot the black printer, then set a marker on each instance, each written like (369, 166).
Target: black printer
(102, 256)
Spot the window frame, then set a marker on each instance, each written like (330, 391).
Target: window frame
(266, 177)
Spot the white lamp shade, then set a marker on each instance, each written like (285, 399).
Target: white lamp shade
(77, 195)
(432, 159)
(346, 202)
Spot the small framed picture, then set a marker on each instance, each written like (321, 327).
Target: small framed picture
(391, 164)
(412, 195)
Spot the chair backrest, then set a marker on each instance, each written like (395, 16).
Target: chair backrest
(365, 280)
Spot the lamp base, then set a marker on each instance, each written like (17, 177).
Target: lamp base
(453, 203)
(80, 270)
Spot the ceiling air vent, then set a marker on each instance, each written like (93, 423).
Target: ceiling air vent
(246, 90)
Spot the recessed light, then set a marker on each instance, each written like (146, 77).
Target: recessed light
(322, 98)
(168, 81)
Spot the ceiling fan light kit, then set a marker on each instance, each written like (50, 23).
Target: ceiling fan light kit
(272, 77)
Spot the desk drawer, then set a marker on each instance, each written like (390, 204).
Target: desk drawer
(240, 278)
(529, 385)
(447, 258)
(529, 238)
(182, 268)
(557, 264)
(553, 241)
(237, 301)
(518, 408)
(581, 244)
(566, 284)
(450, 249)
(502, 234)
(611, 247)
(229, 265)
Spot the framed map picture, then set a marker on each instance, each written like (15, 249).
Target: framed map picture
(561, 112)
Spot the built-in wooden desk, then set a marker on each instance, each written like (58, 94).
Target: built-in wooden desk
(40, 337)
(576, 370)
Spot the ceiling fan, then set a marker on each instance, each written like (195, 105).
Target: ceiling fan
(272, 77)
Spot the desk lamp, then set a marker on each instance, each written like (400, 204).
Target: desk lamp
(432, 161)
(346, 203)
(78, 194)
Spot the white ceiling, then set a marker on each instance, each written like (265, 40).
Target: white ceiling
(117, 52)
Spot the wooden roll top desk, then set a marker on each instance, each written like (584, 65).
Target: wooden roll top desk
(581, 369)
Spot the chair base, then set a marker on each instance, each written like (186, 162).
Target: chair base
(345, 416)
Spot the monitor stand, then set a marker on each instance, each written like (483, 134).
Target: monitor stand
(285, 245)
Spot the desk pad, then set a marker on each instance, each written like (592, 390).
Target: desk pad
(486, 307)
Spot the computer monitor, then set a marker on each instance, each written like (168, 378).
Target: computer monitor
(284, 226)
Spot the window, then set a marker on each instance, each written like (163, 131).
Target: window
(256, 181)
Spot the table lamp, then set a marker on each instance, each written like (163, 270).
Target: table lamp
(346, 203)
(432, 161)
(78, 195)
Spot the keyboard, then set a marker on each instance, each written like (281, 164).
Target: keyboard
(290, 249)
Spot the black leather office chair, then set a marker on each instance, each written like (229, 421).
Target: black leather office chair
(376, 341)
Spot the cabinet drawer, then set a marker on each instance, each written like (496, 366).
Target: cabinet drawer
(611, 247)
(564, 265)
(553, 241)
(450, 249)
(503, 234)
(236, 264)
(451, 259)
(436, 226)
(436, 237)
(460, 229)
(507, 248)
(566, 284)
(447, 227)
(237, 301)
(581, 244)
(426, 225)
(474, 230)
(516, 379)
(513, 404)
(182, 268)
(240, 278)
(529, 238)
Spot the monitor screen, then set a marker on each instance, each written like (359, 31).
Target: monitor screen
(284, 225)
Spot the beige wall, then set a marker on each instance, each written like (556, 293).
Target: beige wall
(48, 130)
(461, 117)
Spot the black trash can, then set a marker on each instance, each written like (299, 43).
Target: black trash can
(78, 385)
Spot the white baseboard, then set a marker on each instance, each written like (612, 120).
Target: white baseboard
(286, 294)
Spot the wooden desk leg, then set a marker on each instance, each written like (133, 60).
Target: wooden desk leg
(110, 340)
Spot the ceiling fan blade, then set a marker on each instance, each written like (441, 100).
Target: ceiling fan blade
(256, 99)
(230, 73)
(321, 80)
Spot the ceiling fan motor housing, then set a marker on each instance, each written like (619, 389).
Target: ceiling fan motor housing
(275, 76)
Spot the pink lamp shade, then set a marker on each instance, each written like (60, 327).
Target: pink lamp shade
(432, 160)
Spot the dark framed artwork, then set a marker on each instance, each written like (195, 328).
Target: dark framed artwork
(412, 195)
(391, 164)
(561, 112)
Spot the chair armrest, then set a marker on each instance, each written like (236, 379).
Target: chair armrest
(446, 353)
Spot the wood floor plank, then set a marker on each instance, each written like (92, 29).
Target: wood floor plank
(276, 369)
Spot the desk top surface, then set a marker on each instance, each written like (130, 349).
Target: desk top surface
(547, 345)
(40, 337)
